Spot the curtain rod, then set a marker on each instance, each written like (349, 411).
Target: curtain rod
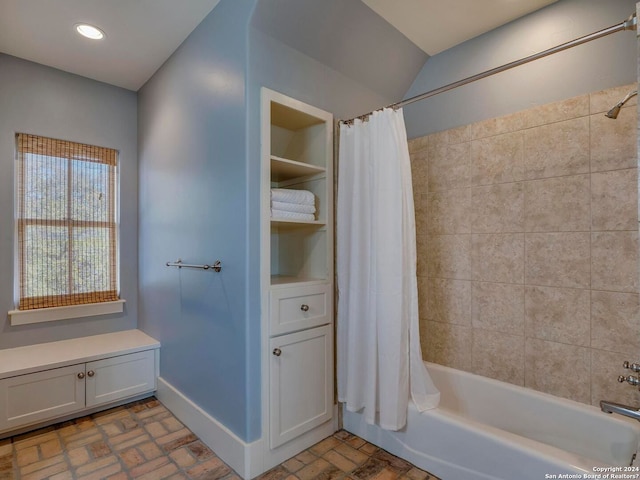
(628, 24)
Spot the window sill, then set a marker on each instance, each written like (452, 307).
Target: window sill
(26, 317)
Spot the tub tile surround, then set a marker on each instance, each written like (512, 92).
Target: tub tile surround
(528, 247)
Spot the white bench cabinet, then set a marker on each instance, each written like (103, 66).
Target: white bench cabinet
(120, 366)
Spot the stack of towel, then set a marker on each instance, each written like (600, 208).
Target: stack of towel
(287, 204)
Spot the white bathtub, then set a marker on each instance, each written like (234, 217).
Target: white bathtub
(486, 429)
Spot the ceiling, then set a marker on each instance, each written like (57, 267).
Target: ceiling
(436, 25)
(142, 34)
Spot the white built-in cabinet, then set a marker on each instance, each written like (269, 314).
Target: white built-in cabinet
(297, 279)
(47, 382)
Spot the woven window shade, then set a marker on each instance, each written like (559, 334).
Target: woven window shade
(67, 230)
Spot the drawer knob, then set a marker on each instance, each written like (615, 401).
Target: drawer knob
(91, 373)
(277, 352)
(81, 375)
(304, 308)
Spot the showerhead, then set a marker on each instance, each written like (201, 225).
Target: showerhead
(613, 113)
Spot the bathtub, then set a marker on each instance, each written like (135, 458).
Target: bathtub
(487, 429)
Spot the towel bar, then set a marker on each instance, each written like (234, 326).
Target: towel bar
(216, 267)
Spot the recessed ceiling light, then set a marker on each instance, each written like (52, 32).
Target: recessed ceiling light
(89, 31)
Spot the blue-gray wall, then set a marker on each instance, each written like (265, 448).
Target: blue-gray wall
(192, 154)
(199, 152)
(345, 36)
(44, 101)
(603, 63)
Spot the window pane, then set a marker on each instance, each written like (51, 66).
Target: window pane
(46, 262)
(45, 187)
(90, 191)
(90, 260)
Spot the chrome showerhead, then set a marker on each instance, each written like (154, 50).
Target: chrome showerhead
(613, 113)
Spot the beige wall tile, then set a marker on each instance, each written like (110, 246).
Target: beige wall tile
(557, 111)
(458, 135)
(447, 344)
(557, 259)
(498, 307)
(422, 254)
(614, 200)
(423, 297)
(497, 208)
(559, 204)
(497, 159)
(602, 101)
(615, 322)
(558, 149)
(498, 355)
(614, 261)
(420, 202)
(449, 301)
(605, 368)
(498, 126)
(417, 144)
(484, 128)
(449, 256)
(559, 369)
(438, 140)
(518, 306)
(449, 211)
(498, 257)
(613, 142)
(419, 171)
(449, 167)
(558, 314)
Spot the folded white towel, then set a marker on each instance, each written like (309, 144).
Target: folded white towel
(293, 207)
(284, 215)
(288, 195)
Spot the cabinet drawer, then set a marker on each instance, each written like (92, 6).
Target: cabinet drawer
(298, 308)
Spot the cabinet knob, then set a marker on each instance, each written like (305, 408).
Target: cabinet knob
(91, 373)
(304, 308)
(81, 375)
(277, 352)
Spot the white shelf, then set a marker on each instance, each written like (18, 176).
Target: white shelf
(285, 169)
(296, 223)
(289, 279)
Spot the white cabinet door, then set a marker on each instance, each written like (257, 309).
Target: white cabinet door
(115, 378)
(301, 390)
(35, 397)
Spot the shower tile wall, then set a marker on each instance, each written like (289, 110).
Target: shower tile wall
(527, 231)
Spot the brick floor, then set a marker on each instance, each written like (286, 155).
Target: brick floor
(144, 441)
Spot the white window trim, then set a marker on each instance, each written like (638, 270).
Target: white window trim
(52, 314)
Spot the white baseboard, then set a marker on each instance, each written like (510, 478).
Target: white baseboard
(247, 459)
(244, 458)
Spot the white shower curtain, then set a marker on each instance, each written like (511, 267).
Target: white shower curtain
(379, 358)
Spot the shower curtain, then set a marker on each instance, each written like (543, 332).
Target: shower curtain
(379, 358)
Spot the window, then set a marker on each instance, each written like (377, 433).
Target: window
(66, 222)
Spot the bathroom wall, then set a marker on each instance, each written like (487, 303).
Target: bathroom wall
(45, 101)
(528, 247)
(600, 64)
(192, 154)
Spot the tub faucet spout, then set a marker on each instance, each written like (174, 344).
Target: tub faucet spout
(620, 409)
